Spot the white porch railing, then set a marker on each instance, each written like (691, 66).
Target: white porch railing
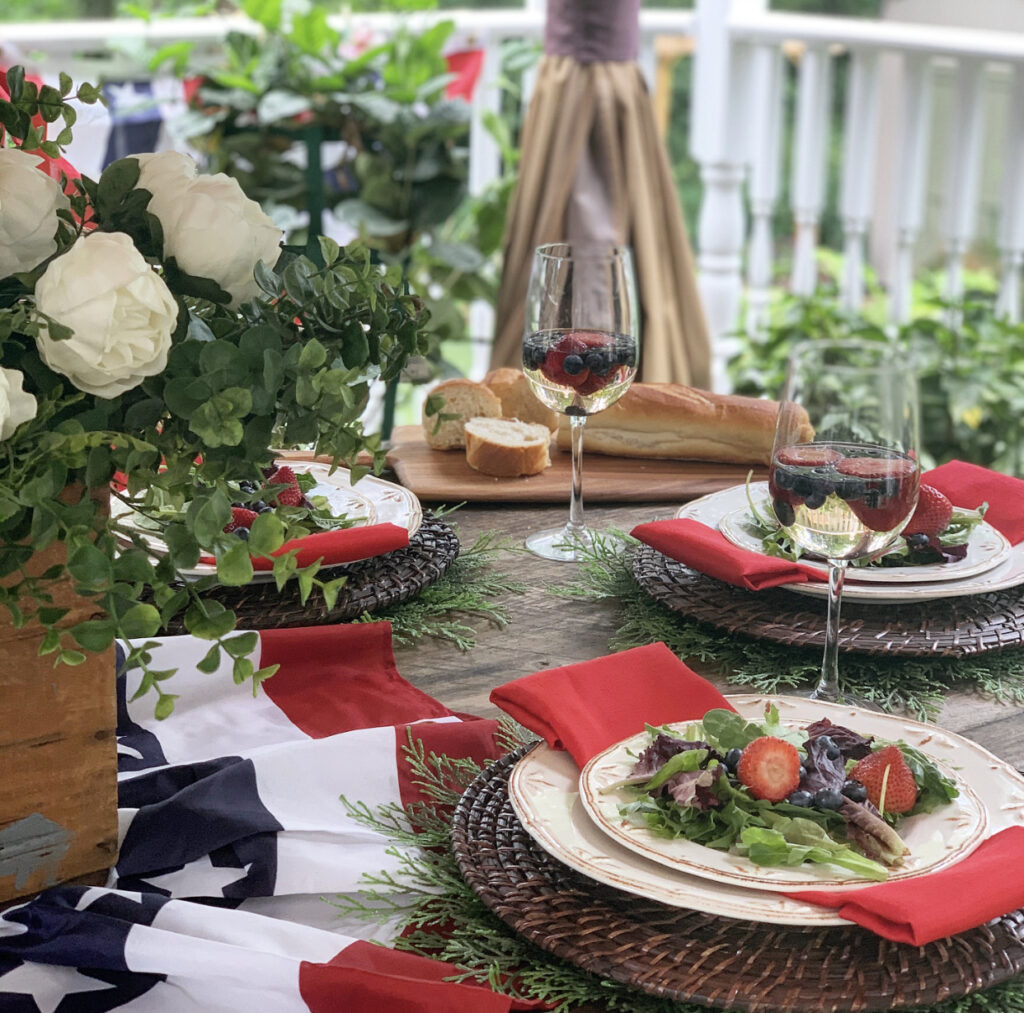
(740, 120)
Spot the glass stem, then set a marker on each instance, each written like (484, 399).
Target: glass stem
(576, 525)
(828, 684)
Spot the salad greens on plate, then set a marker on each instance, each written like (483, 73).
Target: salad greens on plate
(782, 796)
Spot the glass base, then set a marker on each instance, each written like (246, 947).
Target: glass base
(847, 699)
(563, 545)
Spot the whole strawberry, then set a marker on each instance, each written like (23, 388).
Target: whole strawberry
(932, 515)
(240, 518)
(770, 768)
(887, 769)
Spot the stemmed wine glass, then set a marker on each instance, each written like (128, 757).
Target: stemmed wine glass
(581, 347)
(844, 473)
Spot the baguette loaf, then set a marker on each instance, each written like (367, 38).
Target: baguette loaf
(507, 447)
(518, 401)
(464, 399)
(669, 420)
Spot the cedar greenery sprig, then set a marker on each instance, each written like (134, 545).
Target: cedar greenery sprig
(440, 916)
(915, 685)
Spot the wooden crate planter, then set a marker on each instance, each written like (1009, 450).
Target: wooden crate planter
(58, 758)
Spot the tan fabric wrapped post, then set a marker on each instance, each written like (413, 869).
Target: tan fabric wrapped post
(594, 168)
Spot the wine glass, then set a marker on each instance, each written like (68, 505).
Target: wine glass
(844, 473)
(581, 347)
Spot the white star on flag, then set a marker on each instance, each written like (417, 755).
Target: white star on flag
(48, 984)
(200, 878)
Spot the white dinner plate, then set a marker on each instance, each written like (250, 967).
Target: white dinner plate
(1005, 574)
(544, 792)
(936, 840)
(371, 500)
(986, 548)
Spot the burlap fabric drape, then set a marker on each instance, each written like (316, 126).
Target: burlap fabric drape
(594, 167)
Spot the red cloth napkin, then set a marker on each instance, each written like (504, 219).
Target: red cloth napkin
(709, 551)
(334, 547)
(970, 485)
(983, 886)
(586, 707)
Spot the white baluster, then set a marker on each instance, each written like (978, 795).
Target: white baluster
(964, 170)
(909, 202)
(860, 143)
(810, 146)
(1011, 232)
(765, 105)
(717, 122)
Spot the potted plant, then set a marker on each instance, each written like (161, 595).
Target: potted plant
(157, 345)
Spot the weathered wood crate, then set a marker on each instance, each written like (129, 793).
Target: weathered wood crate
(58, 758)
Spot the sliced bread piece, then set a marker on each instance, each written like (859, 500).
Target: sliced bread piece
(464, 399)
(518, 400)
(507, 447)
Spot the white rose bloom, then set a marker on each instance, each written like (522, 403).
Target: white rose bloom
(120, 310)
(158, 169)
(211, 228)
(29, 200)
(15, 405)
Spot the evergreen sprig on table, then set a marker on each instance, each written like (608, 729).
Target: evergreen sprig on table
(440, 916)
(915, 685)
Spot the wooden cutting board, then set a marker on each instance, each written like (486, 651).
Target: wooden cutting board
(444, 476)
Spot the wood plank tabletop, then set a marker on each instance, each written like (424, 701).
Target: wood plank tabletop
(545, 630)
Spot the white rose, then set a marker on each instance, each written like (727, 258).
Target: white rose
(211, 229)
(29, 201)
(120, 310)
(15, 405)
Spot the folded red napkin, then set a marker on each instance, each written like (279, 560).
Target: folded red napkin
(709, 551)
(917, 911)
(970, 485)
(331, 548)
(586, 707)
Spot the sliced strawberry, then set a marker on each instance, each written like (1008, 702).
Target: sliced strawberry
(885, 772)
(593, 383)
(933, 513)
(240, 518)
(591, 339)
(770, 768)
(807, 455)
(284, 476)
(876, 468)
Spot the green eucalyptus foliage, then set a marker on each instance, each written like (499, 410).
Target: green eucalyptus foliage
(290, 368)
(972, 400)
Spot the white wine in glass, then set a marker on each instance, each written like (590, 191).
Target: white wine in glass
(847, 492)
(581, 350)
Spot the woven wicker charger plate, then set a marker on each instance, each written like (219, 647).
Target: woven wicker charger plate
(953, 627)
(693, 957)
(372, 584)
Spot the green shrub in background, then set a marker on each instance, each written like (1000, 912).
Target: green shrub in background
(972, 395)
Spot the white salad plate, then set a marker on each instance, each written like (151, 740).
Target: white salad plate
(371, 500)
(1003, 563)
(936, 840)
(544, 792)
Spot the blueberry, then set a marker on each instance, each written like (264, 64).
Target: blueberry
(782, 478)
(851, 488)
(816, 499)
(802, 486)
(827, 798)
(855, 791)
(918, 540)
(832, 751)
(732, 758)
(800, 797)
(783, 512)
(242, 533)
(573, 364)
(246, 486)
(626, 356)
(259, 506)
(597, 362)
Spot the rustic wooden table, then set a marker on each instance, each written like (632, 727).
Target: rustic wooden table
(546, 631)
